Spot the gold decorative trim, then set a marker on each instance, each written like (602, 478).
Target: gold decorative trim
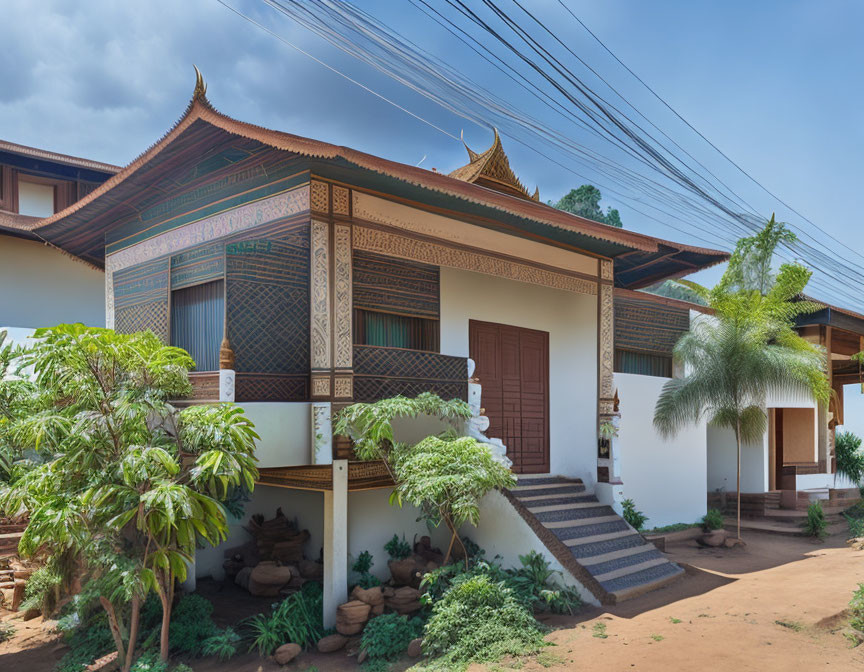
(320, 295)
(320, 196)
(343, 387)
(342, 289)
(394, 245)
(321, 385)
(341, 200)
(606, 270)
(606, 342)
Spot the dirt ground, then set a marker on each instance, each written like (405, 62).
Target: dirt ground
(776, 605)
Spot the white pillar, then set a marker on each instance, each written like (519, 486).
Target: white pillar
(336, 543)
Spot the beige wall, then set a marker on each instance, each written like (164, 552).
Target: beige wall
(40, 287)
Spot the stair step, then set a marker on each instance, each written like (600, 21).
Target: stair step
(591, 529)
(580, 521)
(564, 507)
(595, 511)
(601, 558)
(575, 495)
(634, 585)
(579, 541)
(631, 569)
(557, 483)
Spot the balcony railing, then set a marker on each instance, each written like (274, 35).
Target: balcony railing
(381, 372)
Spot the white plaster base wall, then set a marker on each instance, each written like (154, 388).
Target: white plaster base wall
(570, 319)
(722, 460)
(502, 532)
(665, 477)
(285, 431)
(372, 522)
(40, 287)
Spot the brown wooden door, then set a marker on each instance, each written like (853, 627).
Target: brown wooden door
(513, 368)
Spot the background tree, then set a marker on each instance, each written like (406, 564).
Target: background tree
(585, 202)
(445, 476)
(128, 485)
(850, 459)
(746, 350)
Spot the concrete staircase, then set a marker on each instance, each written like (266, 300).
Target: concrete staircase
(590, 540)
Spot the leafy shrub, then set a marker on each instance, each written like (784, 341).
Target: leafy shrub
(191, 624)
(398, 549)
(533, 585)
(89, 641)
(42, 588)
(223, 644)
(713, 520)
(635, 518)
(815, 525)
(149, 662)
(856, 609)
(856, 526)
(7, 631)
(478, 620)
(387, 637)
(298, 618)
(362, 565)
(850, 459)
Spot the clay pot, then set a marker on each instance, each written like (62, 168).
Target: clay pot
(314, 571)
(286, 653)
(405, 600)
(371, 596)
(378, 609)
(242, 578)
(332, 643)
(351, 617)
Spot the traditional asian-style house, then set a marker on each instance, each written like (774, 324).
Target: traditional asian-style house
(304, 276)
(41, 285)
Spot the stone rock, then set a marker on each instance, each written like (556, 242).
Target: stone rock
(361, 657)
(371, 596)
(268, 578)
(714, 538)
(103, 664)
(332, 643)
(402, 571)
(415, 648)
(388, 591)
(378, 609)
(18, 594)
(314, 571)
(733, 542)
(286, 653)
(242, 578)
(405, 600)
(30, 614)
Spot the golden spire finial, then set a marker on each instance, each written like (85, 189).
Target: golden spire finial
(200, 85)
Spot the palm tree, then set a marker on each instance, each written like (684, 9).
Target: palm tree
(746, 350)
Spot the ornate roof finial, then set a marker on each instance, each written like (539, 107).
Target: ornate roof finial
(491, 169)
(200, 85)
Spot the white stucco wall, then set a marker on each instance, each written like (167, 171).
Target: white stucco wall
(570, 319)
(665, 477)
(502, 532)
(372, 522)
(285, 431)
(722, 461)
(41, 287)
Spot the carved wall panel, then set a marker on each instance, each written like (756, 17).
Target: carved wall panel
(342, 297)
(320, 293)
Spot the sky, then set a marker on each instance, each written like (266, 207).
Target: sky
(776, 84)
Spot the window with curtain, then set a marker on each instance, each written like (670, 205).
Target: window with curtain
(197, 315)
(395, 331)
(642, 363)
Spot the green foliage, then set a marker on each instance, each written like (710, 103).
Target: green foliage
(675, 290)
(191, 624)
(386, 637)
(89, 641)
(398, 549)
(42, 588)
(127, 486)
(674, 527)
(223, 644)
(635, 518)
(478, 620)
(585, 202)
(364, 578)
(298, 618)
(149, 662)
(856, 609)
(815, 525)
(850, 458)
(533, 583)
(856, 526)
(7, 631)
(713, 520)
(599, 631)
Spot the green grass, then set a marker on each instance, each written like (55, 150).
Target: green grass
(674, 620)
(658, 638)
(599, 631)
(791, 625)
(675, 527)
